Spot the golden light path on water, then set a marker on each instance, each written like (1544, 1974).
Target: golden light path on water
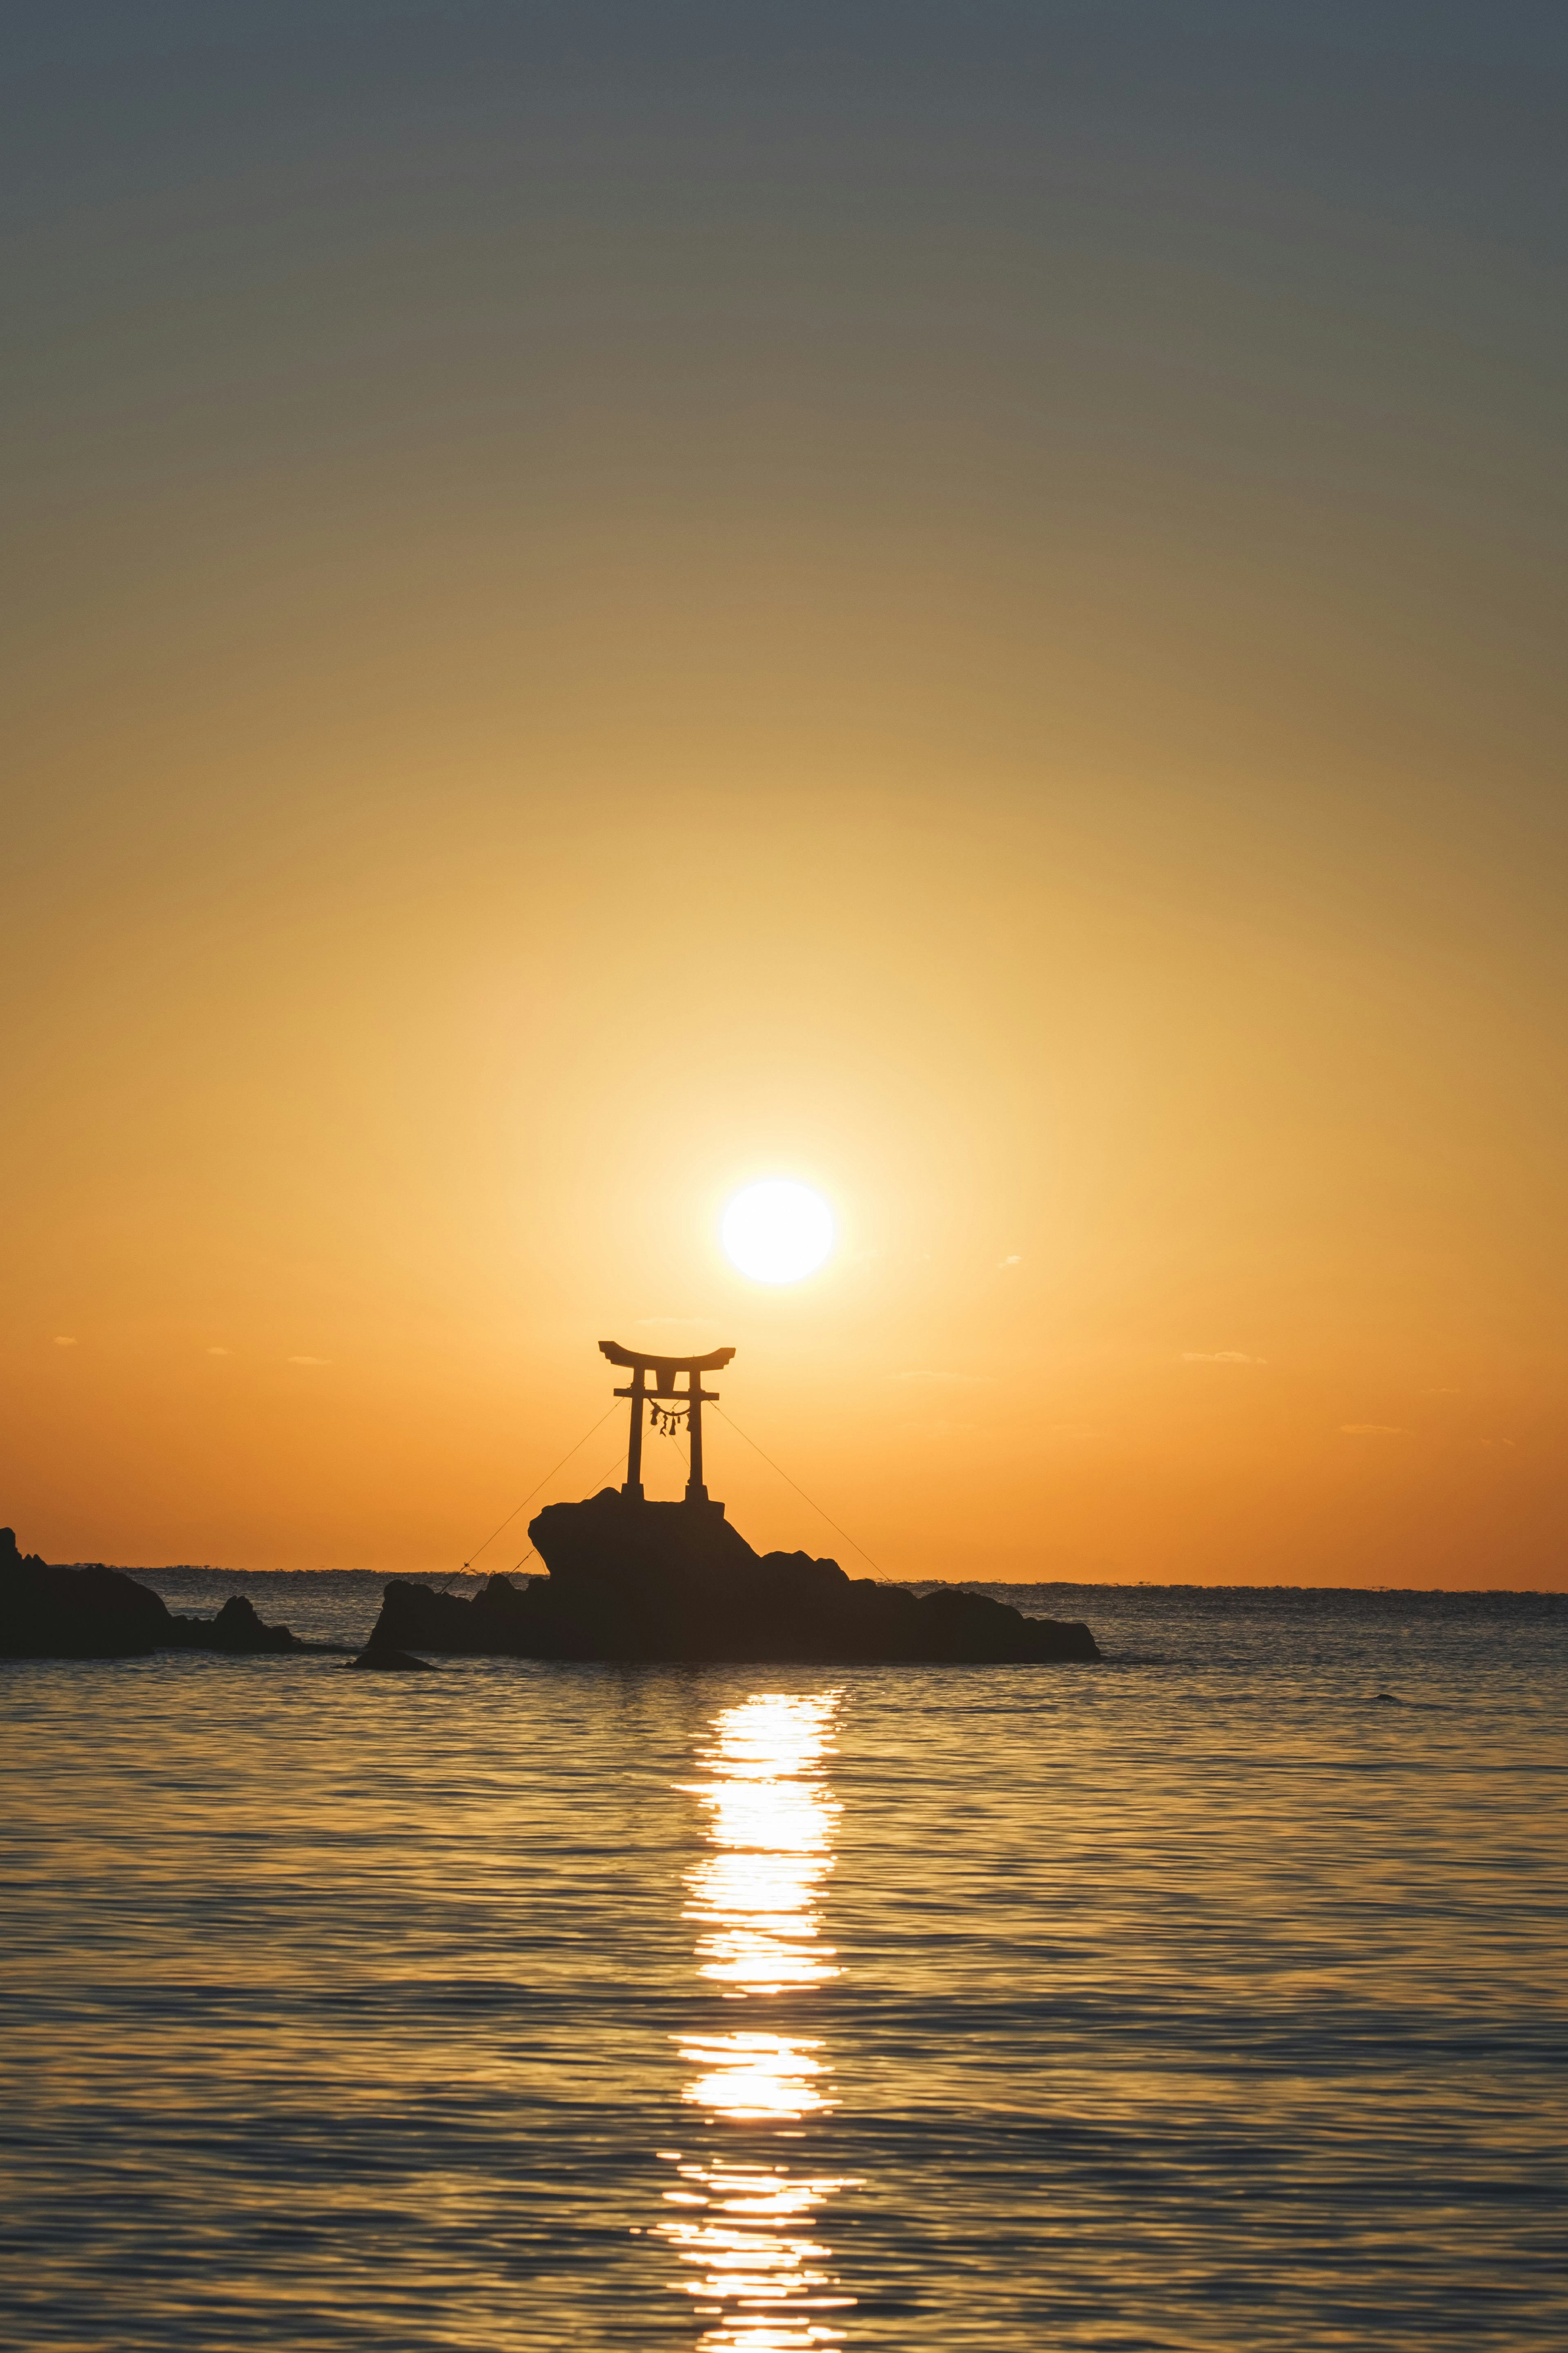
(748, 2231)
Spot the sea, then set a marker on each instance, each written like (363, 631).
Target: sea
(1209, 1997)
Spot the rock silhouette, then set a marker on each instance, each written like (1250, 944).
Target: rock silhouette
(630, 1579)
(236, 1627)
(101, 1613)
(378, 1653)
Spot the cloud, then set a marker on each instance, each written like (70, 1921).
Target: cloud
(309, 1360)
(1220, 1357)
(1069, 1430)
(951, 1380)
(1372, 1430)
(1015, 1261)
(64, 1340)
(220, 1352)
(675, 1324)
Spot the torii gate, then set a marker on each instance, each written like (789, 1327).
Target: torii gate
(692, 1399)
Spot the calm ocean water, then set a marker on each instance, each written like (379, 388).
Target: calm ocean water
(1200, 1999)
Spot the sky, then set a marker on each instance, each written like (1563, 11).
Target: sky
(963, 604)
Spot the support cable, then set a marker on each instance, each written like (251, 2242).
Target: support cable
(799, 1490)
(597, 1484)
(512, 1515)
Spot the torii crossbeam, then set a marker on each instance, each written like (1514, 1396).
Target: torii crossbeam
(691, 1401)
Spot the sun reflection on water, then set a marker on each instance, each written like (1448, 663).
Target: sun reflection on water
(747, 2225)
(771, 1817)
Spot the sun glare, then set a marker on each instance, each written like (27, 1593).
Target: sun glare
(777, 1231)
(748, 2225)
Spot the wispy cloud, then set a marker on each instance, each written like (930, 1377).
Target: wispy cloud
(309, 1360)
(1016, 1260)
(950, 1380)
(220, 1352)
(1069, 1430)
(64, 1340)
(1220, 1357)
(1372, 1430)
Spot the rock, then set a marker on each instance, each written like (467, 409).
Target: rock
(381, 1654)
(74, 1613)
(629, 1579)
(491, 1624)
(235, 1628)
(101, 1613)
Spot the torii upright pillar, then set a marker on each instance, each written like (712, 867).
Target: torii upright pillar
(692, 1399)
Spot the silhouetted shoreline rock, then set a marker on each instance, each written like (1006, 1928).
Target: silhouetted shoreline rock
(630, 1579)
(237, 1628)
(382, 1655)
(626, 1579)
(101, 1613)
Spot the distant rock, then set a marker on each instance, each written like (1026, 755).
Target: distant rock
(236, 1627)
(629, 1579)
(101, 1613)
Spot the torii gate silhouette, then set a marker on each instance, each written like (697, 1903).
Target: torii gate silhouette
(691, 1401)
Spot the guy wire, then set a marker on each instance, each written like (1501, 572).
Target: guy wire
(550, 1474)
(619, 1457)
(799, 1490)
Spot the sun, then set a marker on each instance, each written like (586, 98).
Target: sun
(777, 1231)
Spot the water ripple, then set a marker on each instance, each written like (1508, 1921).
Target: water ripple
(1198, 2002)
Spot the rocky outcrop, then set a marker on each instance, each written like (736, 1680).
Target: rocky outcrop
(73, 1613)
(497, 1622)
(235, 1628)
(675, 1581)
(101, 1613)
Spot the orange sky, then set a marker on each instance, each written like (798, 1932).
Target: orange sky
(1052, 736)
